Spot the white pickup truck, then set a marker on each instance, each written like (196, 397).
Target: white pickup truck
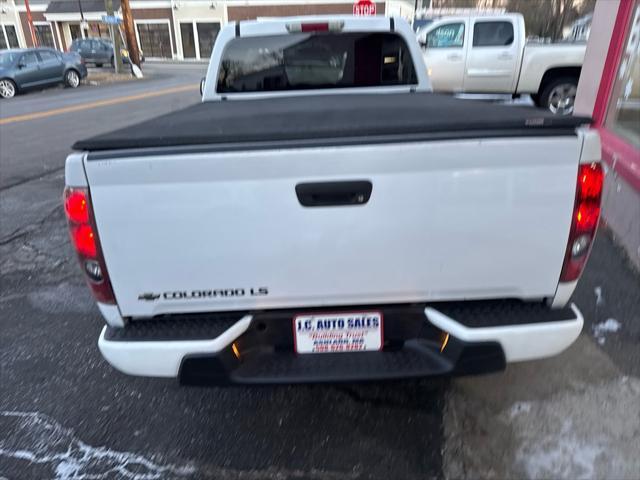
(489, 54)
(321, 216)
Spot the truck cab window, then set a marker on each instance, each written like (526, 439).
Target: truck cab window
(312, 61)
(492, 34)
(446, 36)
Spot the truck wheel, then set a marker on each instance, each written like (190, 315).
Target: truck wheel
(7, 88)
(536, 99)
(72, 79)
(559, 95)
(112, 61)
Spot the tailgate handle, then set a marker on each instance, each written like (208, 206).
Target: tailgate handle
(332, 194)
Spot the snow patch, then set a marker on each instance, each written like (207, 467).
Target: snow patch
(519, 408)
(37, 438)
(611, 325)
(552, 453)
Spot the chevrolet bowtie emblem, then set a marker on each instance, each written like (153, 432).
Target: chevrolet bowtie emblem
(149, 296)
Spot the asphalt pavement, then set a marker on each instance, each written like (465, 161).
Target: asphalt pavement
(31, 148)
(65, 413)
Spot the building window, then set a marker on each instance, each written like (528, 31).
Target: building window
(623, 116)
(99, 30)
(8, 37)
(207, 33)
(12, 36)
(188, 40)
(44, 36)
(155, 40)
(74, 31)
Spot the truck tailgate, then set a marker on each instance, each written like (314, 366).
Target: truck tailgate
(446, 220)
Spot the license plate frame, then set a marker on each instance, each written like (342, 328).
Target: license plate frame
(360, 331)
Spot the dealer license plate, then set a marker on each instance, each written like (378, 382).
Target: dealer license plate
(337, 332)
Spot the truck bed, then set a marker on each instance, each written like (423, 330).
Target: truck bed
(330, 120)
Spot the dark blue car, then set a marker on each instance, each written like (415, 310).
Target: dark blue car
(37, 67)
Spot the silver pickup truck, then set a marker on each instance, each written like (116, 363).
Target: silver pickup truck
(321, 216)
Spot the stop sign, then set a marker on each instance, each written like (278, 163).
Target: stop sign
(364, 8)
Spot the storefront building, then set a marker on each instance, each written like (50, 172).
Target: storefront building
(58, 22)
(43, 30)
(70, 25)
(168, 29)
(197, 23)
(10, 31)
(153, 23)
(609, 91)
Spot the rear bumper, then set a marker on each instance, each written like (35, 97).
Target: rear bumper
(420, 341)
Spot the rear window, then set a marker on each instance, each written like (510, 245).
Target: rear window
(315, 61)
(492, 34)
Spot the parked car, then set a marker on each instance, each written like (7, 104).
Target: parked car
(489, 54)
(36, 67)
(98, 51)
(315, 227)
(93, 50)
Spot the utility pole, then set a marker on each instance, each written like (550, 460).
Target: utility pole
(114, 30)
(130, 34)
(32, 29)
(82, 22)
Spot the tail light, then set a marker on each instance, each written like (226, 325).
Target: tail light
(315, 27)
(586, 213)
(84, 238)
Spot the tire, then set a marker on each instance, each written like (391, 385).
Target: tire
(112, 61)
(559, 95)
(99, 65)
(72, 78)
(8, 88)
(536, 99)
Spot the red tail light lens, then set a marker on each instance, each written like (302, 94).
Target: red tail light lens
(315, 27)
(84, 237)
(84, 240)
(586, 214)
(75, 206)
(590, 181)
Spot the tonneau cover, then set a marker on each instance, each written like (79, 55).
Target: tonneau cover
(329, 118)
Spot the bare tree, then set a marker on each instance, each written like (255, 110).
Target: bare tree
(454, 3)
(547, 18)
